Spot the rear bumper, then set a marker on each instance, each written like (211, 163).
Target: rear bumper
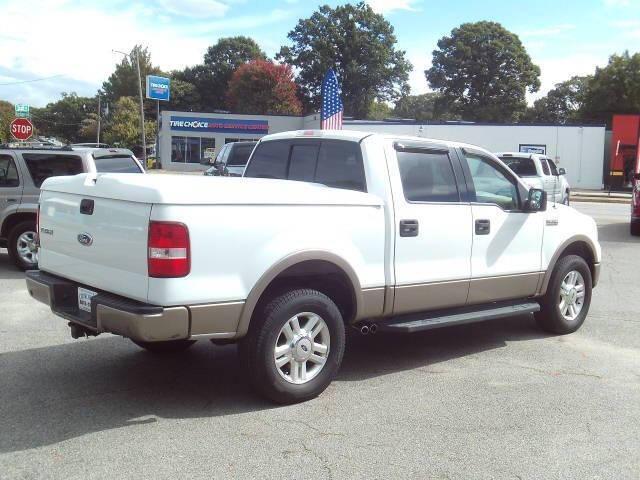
(109, 313)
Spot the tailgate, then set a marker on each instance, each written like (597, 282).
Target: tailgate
(103, 246)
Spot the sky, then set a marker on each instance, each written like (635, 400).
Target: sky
(70, 42)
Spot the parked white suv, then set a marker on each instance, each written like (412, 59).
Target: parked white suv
(377, 232)
(539, 171)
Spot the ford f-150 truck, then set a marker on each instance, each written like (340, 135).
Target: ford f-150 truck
(335, 230)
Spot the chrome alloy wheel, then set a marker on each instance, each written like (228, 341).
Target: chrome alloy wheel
(27, 248)
(572, 292)
(302, 348)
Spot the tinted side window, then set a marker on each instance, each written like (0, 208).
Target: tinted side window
(552, 166)
(239, 155)
(340, 165)
(427, 177)
(491, 184)
(44, 165)
(269, 160)
(116, 164)
(545, 167)
(303, 161)
(8, 172)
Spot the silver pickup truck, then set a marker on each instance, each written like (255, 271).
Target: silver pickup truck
(22, 172)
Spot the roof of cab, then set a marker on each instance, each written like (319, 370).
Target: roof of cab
(358, 136)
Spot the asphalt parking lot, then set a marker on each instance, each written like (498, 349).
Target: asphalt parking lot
(492, 400)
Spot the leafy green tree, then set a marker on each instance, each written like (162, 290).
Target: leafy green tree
(563, 104)
(379, 111)
(359, 45)
(7, 114)
(184, 96)
(613, 89)
(63, 118)
(211, 78)
(123, 82)
(262, 87)
(123, 127)
(428, 106)
(484, 72)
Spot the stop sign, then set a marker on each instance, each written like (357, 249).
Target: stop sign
(21, 128)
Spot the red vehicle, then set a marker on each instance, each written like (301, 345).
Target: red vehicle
(635, 206)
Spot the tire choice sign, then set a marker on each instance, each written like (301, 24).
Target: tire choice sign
(21, 128)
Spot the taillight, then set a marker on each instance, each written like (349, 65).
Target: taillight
(169, 254)
(37, 239)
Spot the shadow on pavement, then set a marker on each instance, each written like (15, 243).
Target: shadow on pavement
(8, 271)
(51, 394)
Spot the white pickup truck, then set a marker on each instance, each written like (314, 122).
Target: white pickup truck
(378, 233)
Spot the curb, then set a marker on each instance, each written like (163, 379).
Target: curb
(622, 201)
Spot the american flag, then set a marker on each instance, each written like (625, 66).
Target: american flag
(331, 114)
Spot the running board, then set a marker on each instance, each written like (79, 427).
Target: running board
(459, 316)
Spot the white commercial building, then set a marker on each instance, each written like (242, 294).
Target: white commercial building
(187, 137)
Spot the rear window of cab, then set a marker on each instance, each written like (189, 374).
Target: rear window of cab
(334, 163)
(116, 164)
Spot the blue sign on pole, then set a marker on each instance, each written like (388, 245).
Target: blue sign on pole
(158, 87)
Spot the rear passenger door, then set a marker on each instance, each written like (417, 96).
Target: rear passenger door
(432, 228)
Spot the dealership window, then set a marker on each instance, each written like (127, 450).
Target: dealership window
(208, 147)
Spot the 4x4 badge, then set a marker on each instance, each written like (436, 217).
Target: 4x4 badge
(85, 239)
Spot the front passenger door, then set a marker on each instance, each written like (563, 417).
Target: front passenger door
(10, 186)
(506, 251)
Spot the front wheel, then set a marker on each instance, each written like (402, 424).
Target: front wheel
(566, 303)
(166, 347)
(294, 347)
(22, 247)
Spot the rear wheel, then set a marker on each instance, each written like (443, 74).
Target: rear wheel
(22, 245)
(170, 346)
(294, 347)
(566, 303)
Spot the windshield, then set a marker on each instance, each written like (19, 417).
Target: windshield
(116, 164)
(239, 155)
(523, 167)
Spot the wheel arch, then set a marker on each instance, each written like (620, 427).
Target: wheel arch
(579, 245)
(14, 219)
(307, 270)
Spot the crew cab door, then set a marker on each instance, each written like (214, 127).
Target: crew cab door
(548, 179)
(432, 227)
(507, 242)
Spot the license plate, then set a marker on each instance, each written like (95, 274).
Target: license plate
(84, 299)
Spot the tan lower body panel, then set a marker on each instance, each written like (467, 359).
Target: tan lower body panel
(505, 287)
(171, 324)
(429, 296)
(372, 303)
(215, 319)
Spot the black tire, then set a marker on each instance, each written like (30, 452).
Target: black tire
(257, 348)
(167, 347)
(12, 245)
(549, 318)
(634, 229)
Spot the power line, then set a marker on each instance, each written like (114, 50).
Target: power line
(32, 80)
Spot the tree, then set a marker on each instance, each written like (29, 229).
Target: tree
(428, 106)
(211, 79)
(7, 114)
(123, 127)
(359, 45)
(184, 96)
(63, 119)
(562, 104)
(262, 87)
(614, 89)
(483, 71)
(379, 111)
(123, 82)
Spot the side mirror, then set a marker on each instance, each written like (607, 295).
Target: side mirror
(562, 171)
(536, 200)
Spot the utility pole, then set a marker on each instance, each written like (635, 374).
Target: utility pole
(99, 115)
(144, 141)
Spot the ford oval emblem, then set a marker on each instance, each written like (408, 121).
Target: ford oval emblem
(85, 239)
